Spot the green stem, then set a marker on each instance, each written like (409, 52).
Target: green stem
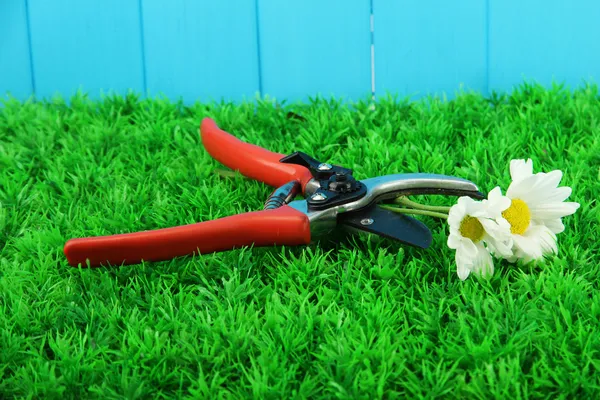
(404, 201)
(416, 212)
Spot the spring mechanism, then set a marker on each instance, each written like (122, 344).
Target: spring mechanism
(282, 195)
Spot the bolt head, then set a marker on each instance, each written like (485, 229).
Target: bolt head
(324, 167)
(367, 221)
(319, 197)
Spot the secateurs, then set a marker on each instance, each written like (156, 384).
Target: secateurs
(333, 201)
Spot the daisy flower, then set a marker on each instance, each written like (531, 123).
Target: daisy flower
(537, 205)
(473, 225)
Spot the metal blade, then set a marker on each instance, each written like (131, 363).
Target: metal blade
(378, 221)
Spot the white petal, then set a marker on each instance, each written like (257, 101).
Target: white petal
(543, 187)
(520, 169)
(545, 237)
(495, 193)
(467, 249)
(465, 256)
(502, 249)
(527, 246)
(553, 210)
(537, 242)
(496, 203)
(454, 218)
(513, 259)
(462, 269)
(519, 255)
(555, 225)
(503, 224)
(464, 201)
(456, 213)
(477, 209)
(558, 194)
(483, 264)
(498, 229)
(550, 180)
(521, 189)
(454, 241)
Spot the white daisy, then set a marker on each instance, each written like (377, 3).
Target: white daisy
(535, 212)
(471, 228)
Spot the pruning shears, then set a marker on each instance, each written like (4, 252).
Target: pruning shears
(333, 201)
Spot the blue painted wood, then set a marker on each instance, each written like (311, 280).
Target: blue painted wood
(204, 50)
(427, 47)
(94, 45)
(15, 67)
(545, 41)
(201, 50)
(315, 47)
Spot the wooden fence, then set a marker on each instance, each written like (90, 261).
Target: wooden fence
(234, 49)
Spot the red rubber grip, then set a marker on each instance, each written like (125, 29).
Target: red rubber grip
(250, 160)
(284, 226)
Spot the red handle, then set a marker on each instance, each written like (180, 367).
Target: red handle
(250, 160)
(284, 226)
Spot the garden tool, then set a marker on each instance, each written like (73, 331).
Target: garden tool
(333, 201)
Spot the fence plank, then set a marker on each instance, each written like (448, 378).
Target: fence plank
(201, 50)
(94, 45)
(15, 67)
(544, 40)
(427, 47)
(315, 47)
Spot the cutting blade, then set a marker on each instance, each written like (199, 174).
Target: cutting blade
(388, 224)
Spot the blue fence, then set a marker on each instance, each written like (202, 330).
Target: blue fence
(234, 49)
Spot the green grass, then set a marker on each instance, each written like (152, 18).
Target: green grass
(368, 319)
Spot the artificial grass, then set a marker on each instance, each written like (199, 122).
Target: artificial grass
(366, 319)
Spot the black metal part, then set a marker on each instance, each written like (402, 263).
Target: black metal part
(332, 198)
(342, 183)
(282, 195)
(337, 186)
(442, 192)
(382, 222)
(319, 170)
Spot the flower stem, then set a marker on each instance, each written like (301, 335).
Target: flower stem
(416, 212)
(405, 201)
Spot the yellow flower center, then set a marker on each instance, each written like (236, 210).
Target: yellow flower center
(471, 228)
(518, 216)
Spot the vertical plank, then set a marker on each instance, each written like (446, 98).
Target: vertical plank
(430, 47)
(201, 50)
(545, 41)
(94, 45)
(315, 47)
(15, 66)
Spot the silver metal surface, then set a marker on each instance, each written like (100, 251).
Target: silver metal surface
(318, 197)
(383, 188)
(391, 186)
(282, 195)
(367, 221)
(311, 187)
(324, 167)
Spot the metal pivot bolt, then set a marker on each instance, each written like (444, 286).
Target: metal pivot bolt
(324, 167)
(319, 197)
(367, 221)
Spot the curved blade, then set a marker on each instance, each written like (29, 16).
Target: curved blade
(378, 221)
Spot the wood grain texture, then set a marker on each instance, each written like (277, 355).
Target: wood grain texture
(427, 47)
(233, 49)
(201, 50)
(545, 41)
(93, 45)
(315, 47)
(15, 67)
